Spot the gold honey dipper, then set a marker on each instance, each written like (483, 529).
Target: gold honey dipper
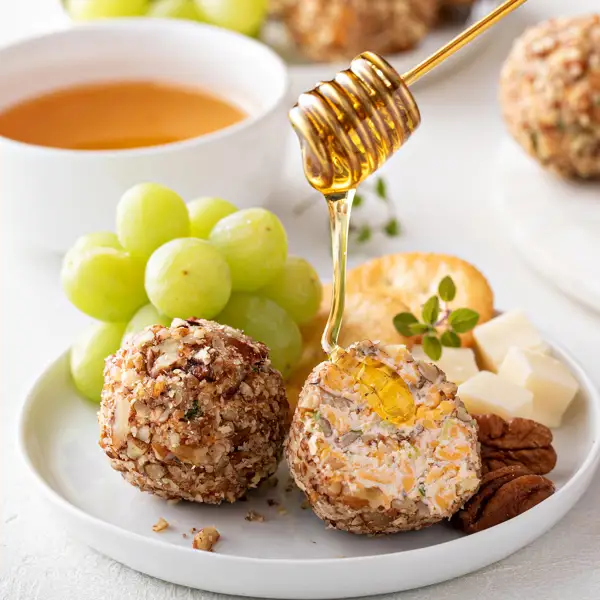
(350, 126)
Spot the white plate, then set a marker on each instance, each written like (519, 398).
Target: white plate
(290, 555)
(554, 223)
(306, 73)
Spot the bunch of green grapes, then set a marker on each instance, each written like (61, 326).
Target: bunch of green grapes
(206, 259)
(244, 16)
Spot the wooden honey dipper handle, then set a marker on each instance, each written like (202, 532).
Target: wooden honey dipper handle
(461, 40)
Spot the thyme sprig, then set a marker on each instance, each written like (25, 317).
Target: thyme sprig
(364, 232)
(440, 326)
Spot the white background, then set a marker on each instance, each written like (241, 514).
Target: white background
(443, 184)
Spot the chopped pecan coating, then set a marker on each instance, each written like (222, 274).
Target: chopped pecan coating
(205, 539)
(515, 442)
(503, 495)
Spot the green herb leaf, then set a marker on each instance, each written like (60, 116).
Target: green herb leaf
(193, 412)
(447, 289)
(463, 319)
(364, 234)
(450, 339)
(402, 323)
(422, 490)
(419, 328)
(358, 201)
(381, 188)
(431, 310)
(432, 347)
(392, 227)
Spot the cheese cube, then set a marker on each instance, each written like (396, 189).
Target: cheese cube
(551, 383)
(457, 363)
(494, 338)
(489, 393)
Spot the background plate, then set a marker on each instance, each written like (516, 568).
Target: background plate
(291, 554)
(554, 223)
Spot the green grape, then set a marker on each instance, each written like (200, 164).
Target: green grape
(188, 278)
(254, 243)
(99, 239)
(174, 9)
(148, 216)
(205, 213)
(146, 316)
(265, 321)
(297, 289)
(90, 10)
(87, 357)
(105, 283)
(244, 16)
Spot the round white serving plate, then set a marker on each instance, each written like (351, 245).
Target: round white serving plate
(306, 73)
(554, 223)
(290, 555)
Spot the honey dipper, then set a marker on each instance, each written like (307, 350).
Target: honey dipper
(350, 126)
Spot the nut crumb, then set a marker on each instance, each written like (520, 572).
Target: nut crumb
(281, 510)
(289, 487)
(305, 504)
(252, 515)
(160, 525)
(205, 539)
(272, 502)
(184, 535)
(193, 530)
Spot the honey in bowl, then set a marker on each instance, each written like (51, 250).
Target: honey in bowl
(117, 116)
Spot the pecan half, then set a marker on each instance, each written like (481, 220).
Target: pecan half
(516, 442)
(503, 495)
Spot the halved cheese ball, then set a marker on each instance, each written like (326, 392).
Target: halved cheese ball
(380, 442)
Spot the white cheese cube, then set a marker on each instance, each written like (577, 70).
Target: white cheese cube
(551, 383)
(489, 393)
(494, 338)
(457, 363)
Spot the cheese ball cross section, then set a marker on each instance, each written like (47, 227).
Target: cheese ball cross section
(193, 412)
(365, 474)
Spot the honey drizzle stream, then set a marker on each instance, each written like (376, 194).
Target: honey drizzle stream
(339, 206)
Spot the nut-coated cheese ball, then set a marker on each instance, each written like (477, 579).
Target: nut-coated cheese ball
(193, 412)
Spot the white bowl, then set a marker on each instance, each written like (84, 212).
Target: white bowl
(290, 555)
(51, 196)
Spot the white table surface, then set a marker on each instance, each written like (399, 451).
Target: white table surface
(442, 186)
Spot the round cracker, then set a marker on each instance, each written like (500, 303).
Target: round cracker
(414, 277)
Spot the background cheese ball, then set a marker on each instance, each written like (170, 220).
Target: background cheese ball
(327, 30)
(550, 95)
